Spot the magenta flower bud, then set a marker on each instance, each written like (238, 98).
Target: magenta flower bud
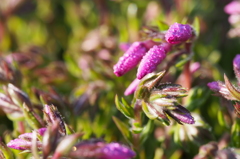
(181, 115)
(130, 58)
(236, 67)
(132, 87)
(221, 89)
(178, 33)
(41, 131)
(152, 59)
(116, 151)
(29, 136)
(232, 7)
(20, 144)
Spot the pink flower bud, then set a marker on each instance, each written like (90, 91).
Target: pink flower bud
(221, 89)
(236, 67)
(152, 59)
(130, 59)
(29, 136)
(116, 151)
(232, 7)
(20, 144)
(132, 87)
(181, 115)
(178, 33)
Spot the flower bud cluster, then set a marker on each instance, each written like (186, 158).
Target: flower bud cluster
(160, 100)
(149, 53)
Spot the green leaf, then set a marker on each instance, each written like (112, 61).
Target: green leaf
(30, 118)
(25, 151)
(180, 137)
(137, 128)
(124, 108)
(162, 25)
(150, 115)
(123, 128)
(235, 133)
(197, 96)
(184, 20)
(221, 119)
(196, 26)
(69, 130)
(183, 60)
(147, 129)
(164, 121)
(7, 153)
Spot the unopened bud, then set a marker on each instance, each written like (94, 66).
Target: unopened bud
(130, 58)
(181, 115)
(152, 59)
(221, 89)
(20, 144)
(236, 67)
(53, 115)
(132, 87)
(178, 33)
(170, 90)
(29, 136)
(18, 96)
(116, 151)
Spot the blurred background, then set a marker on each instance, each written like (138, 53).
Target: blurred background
(70, 47)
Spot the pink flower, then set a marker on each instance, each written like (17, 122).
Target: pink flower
(232, 7)
(152, 59)
(178, 33)
(130, 59)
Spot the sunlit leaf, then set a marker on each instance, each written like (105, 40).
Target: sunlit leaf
(123, 128)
